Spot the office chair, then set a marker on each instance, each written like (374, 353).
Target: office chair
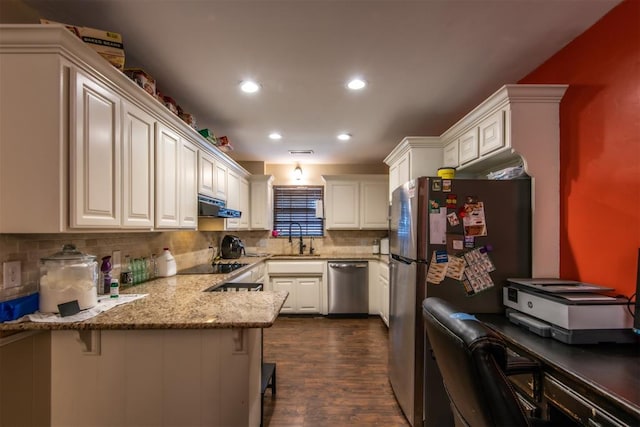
(474, 366)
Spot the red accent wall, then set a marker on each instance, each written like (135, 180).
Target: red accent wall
(600, 149)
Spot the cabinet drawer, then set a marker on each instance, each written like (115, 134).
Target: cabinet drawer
(576, 406)
(298, 268)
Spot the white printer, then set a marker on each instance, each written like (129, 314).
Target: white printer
(569, 311)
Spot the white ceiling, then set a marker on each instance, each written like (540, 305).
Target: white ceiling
(427, 63)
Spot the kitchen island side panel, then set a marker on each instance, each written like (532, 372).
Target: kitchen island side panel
(157, 377)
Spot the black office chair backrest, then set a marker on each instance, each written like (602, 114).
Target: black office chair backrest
(472, 360)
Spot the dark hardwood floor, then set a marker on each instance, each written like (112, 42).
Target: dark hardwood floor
(330, 372)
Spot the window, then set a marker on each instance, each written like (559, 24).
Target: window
(294, 204)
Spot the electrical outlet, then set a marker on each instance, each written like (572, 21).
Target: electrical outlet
(115, 260)
(12, 276)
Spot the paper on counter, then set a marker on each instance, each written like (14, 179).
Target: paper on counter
(104, 303)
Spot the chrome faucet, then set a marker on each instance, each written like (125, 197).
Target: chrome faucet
(300, 243)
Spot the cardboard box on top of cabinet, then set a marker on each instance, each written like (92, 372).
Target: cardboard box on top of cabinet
(107, 43)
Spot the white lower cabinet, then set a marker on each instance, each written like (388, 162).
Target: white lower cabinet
(303, 280)
(383, 288)
(304, 293)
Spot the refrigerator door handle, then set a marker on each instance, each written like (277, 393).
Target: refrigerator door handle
(401, 259)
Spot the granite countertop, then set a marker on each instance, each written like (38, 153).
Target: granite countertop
(179, 302)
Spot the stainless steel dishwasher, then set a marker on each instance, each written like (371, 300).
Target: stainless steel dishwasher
(348, 288)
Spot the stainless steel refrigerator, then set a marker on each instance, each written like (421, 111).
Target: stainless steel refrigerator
(416, 230)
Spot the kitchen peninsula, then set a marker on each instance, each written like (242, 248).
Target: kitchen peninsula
(179, 356)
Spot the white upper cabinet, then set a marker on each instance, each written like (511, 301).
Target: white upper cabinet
(491, 132)
(176, 180)
(450, 154)
(342, 204)
(411, 158)
(138, 157)
(94, 152)
(206, 174)
(91, 162)
(244, 222)
(468, 146)
(188, 185)
(233, 199)
(168, 146)
(356, 202)
(212, 176)
(519, 124)
(261, 193)
(374, 206)
(220, 181)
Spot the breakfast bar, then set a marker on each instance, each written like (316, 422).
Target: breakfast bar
(178, 356)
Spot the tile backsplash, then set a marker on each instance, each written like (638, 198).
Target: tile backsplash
(188, 247)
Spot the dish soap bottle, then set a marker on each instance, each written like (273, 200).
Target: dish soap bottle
(105, 276)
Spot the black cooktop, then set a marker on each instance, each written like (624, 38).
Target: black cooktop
(215, 268)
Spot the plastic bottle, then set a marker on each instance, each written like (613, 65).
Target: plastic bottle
(136, 271)
(146, 267)
(105, 273)
(376, 247)
(114, 290)
(166, 264)
(126, 277)
(153, 267)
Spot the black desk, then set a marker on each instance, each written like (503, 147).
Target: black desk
(605, 378)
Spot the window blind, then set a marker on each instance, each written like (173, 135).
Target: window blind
(295, 204)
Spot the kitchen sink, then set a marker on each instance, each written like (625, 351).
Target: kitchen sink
(235, 287)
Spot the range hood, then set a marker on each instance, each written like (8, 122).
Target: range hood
(208, 207)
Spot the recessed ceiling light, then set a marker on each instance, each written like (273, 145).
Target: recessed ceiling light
(249, 86)
(356, 84)
(344, 136)
(275, 136)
